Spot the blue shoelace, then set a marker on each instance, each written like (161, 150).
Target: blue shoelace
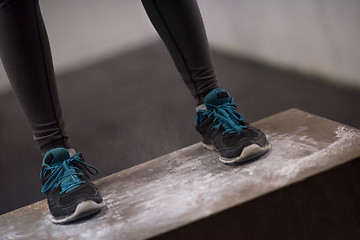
(65, 174)
(227, 116)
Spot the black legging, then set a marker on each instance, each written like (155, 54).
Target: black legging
(25, 53)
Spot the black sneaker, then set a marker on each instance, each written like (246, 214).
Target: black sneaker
(68, 189)
(223, 129)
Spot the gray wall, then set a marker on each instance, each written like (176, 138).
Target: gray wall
(315, 36)
(84, 31)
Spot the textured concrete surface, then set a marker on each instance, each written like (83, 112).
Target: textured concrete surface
(191, 184)
(323, 206)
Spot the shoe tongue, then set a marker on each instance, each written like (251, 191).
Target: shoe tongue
(216, 97)
(56, 155)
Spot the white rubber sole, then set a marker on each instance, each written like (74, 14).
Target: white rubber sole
(248, 153)
(82, 210)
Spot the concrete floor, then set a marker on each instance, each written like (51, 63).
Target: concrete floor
(134, 108)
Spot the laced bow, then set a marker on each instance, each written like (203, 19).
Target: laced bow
(227, 116)
(61, 172)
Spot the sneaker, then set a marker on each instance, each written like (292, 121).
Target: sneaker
(223, 129)
(68, 189)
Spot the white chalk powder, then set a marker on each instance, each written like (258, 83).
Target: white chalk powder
(193, 183)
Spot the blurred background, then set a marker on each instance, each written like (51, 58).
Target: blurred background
(124, 102)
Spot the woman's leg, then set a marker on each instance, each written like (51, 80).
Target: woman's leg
(25, 53)
(222, 128)
(179, 24)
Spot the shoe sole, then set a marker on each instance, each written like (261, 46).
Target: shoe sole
(83, 209)
(249, 152)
